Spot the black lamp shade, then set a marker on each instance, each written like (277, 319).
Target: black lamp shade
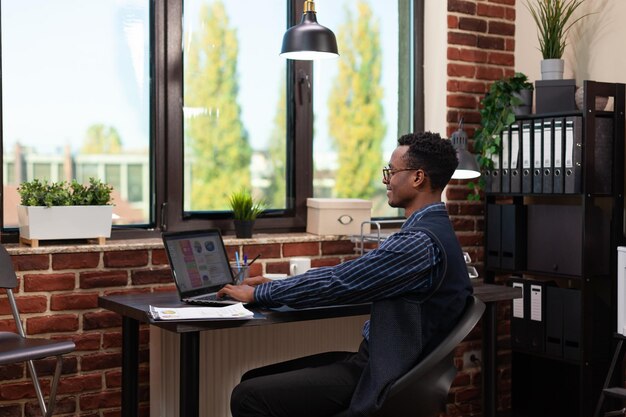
(468, 166)
(309, 40)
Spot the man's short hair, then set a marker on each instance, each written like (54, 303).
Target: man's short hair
(431, 153)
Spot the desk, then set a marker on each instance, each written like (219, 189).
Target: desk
(133, 309)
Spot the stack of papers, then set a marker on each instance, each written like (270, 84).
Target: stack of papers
(234, 311)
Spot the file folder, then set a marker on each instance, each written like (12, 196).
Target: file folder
(495, 173)
(557, 169)
(546, 165)
(516, 178)
(573, 155)
(536, 317)
(505, 140)
(519, 328)
(493, 235)
(554, 322)
(511, 245)
(537, 156)
(527, 158)
(571, 324)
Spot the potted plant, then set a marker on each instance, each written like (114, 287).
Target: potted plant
(245, 211)
(62, 210)
(497, 111)
(554, 20)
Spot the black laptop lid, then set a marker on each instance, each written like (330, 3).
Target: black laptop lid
(198, 261)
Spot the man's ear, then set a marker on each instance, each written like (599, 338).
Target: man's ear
(420, 179)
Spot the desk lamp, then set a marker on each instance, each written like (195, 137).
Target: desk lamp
(308, 40)
(468, 167)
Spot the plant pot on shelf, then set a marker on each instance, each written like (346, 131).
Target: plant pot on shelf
(243, 228)
(526, 102)
(64, 222)
(552, 69)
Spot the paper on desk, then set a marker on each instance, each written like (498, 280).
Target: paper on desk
(234, 311)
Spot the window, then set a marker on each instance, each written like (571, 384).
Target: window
(179, 103)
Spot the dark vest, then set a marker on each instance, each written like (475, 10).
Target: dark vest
(404, 329)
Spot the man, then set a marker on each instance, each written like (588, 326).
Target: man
(416, 280)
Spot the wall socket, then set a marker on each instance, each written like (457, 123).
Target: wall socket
(468, 356)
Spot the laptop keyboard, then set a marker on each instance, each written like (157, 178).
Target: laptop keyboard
(211, 300)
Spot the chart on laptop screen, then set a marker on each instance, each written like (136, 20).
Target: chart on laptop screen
(198, 262)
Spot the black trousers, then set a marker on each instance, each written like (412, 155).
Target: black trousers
(313, 386)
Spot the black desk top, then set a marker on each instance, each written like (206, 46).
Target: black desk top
(135, 306)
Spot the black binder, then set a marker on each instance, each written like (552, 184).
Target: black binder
(516, 156)
(571, 324)
(548, 148)
(519, 330)
(573, 155)
(554, 322)
(494, 225)
(536, 316)
(495, 174)
(505, 140)
(537, 150)
(511, 245)
(557, 169)
(527, 157)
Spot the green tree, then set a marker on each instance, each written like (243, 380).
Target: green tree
(276, 193)
(101, 139)
(356, 118)
(215, 131)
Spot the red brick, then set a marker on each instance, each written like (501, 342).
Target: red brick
(111, 340)
(508, 2)
(151, 276)
(101, 320)
(457, 38)
(159, 257)
(489, 73)
(452, 86)
(30, 262)
(317, 263)
(472, 24)
(462, 101)
(101, 361)
(103, 279)
(80, 301)
(49, 282)
(266, 251)
(473, 55)
(509, 45)
(80, 383)
(100, 400)
(12, 371)
(87, 341)
(461, 224)
(52, 324)
(488, 10)
(453, 22)
(470, 238)
(20, 390)
(501, 28)
(459, 70)
(509, 72)
(125, 259)
(82, 260)
(460, 6)
(338, 247)
(11, 410)
(504, 59)
(467, 395)
(490, 42)
(8, 326)
(26, 304)
(301, 249)
(277, 267)
(470, 117)
(454, 54)
(462, 379)
(472, 87)
(256, 269)
(509, 14)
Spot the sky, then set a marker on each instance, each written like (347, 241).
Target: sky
(40, 110)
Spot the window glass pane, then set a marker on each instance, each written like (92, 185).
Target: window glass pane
(356, 102)
(135, 183)
(75, 84)
(234, 102)
(113, 176)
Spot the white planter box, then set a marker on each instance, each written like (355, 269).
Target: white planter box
(337, 216)
(64, 222)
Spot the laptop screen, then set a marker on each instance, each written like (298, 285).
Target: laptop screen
(198, 261)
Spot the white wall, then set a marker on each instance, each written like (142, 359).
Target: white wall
(596, 44)
(435, 65)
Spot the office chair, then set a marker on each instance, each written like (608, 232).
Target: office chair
(16, 347)
(423, 390)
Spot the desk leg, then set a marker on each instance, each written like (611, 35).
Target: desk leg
(489, 360)
(189, 374)
(130, 367)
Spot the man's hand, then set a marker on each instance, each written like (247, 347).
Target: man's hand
(254, 281)
(243, 293)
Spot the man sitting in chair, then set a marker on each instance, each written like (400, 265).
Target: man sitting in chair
(416, 280)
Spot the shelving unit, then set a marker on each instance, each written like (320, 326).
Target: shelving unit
(560, 245)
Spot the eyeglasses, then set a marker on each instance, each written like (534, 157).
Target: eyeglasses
(389, 172)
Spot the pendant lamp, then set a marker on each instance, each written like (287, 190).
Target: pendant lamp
(308, 40)
(468, 166)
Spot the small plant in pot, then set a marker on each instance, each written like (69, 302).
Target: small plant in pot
(554, 19)
(62, 210)
(497, 111)
(245, 211)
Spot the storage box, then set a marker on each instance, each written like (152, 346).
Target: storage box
(337, 216)
(555, 96)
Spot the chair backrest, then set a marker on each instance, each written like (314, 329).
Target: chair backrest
(7, 272)
(422, 392)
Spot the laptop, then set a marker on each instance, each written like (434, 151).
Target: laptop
(199, 266)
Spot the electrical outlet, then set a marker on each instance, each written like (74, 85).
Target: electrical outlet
(472, 359)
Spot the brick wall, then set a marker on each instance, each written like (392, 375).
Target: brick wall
(481, 48)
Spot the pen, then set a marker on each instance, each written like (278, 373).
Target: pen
(254, 259)
(245, 260)
(237, 261)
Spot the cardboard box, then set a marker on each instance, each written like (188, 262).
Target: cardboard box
(555, 96)
(337, 216)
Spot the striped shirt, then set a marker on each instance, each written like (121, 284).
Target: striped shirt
(405, 262)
